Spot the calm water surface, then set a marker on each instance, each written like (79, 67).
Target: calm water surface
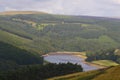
(69, 58)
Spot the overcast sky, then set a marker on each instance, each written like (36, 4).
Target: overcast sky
(109, 8)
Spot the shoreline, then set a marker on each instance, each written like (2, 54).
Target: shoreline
(89, 63)
(77, 54)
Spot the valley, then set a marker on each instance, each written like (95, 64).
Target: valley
(91, 42)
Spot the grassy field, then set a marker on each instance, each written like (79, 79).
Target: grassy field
(111, 73)
(106, 63)
(13, 39)
(17, 41)
(78, 76)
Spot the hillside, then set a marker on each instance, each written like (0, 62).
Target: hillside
(12, 57)
(103, 74)
(43, 33)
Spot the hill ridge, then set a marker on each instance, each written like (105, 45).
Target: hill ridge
(21, 12)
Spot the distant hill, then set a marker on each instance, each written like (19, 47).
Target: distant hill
(42, 33)
(103, 74)
(21, 12)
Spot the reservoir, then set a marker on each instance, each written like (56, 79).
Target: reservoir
(64, 58)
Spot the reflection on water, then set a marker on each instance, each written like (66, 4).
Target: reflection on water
(69, 58)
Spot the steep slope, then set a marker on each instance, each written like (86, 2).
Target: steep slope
(109, 74)
(78, 76)
(103, 74)
(11, 57)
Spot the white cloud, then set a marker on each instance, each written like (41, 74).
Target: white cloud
(72, 7)
(116, 1)
(9, 9)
